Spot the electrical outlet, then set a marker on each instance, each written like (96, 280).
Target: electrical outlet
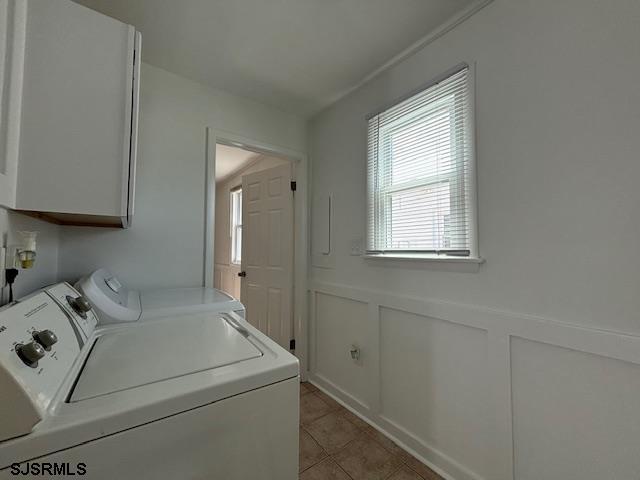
(3, 266)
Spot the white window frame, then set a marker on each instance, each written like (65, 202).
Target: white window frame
(469, 210)
(235, 225)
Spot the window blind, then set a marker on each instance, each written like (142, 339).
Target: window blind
(419, 172)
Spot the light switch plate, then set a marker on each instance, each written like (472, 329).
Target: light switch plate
(356, 247)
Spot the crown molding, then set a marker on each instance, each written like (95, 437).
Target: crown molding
(432, 36)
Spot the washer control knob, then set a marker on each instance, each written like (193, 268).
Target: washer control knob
(30, 353)
(46, 338)
(80, 305)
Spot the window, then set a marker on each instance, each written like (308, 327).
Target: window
(421, 186)
(236, 226)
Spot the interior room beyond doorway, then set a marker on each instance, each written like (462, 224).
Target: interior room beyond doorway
(254, 231)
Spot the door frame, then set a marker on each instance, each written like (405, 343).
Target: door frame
(300, 174)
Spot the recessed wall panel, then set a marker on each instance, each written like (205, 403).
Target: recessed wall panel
(434, 384)
(575, 414)
(340, 323)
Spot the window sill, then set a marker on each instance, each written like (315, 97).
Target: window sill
(435, 262)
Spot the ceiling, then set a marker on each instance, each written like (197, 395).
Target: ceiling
(230, 160)
(297, 55)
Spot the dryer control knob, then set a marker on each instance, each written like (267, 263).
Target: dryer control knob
(80, 305)
(46, 338)
(30, 353)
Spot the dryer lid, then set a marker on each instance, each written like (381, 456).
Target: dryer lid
(182, 297)
(152, 352)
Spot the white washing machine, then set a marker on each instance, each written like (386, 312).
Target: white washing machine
(208, 397)
(115, 302)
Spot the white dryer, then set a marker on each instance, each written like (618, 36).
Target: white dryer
(114, 302)
(206, 397)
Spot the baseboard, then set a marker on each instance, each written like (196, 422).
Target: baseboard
(446, 467)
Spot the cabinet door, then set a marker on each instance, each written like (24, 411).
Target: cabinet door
(12, 36)
(76, 113)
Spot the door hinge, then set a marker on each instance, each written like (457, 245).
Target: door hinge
(292, 344)
(294, 186)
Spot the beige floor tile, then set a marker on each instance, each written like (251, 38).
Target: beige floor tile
(325, 470)
(421, 469)
(312, 408)
(356, 420)
(365, 459)
(305, 388)
(310, 451)
(330, 433)
(328, 400)
(310, 386)
(387, 443)
(405, 473)
(333, 431)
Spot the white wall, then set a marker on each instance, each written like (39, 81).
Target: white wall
(557, 124)
(225, 275)
(45, 270)
(164, 247)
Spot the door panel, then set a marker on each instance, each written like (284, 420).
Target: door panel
(274, 257)
(253, 298)
(274, 312)
(253, 189)
(275, 187)
(251, 252)
(267, 252)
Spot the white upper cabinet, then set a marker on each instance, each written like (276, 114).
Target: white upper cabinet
(78, 127)
(12, 37)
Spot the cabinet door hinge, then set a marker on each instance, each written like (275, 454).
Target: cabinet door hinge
(294, 186)
(292, 344)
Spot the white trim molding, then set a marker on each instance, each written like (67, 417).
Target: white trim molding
(431, 37)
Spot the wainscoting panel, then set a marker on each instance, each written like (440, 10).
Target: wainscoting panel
(481, 394)
(580, 404)
(433, 383)
(225, 278)
(333, 358)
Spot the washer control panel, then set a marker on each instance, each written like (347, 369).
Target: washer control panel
(76, 306)
(40, 340)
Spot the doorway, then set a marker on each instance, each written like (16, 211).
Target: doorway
(254, 237)
(239, 174)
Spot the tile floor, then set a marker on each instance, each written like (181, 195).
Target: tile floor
(337, 445)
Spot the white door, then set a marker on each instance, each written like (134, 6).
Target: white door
(267, 252)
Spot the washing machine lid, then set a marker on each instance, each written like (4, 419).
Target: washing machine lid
(152, 352)
(184, 300)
